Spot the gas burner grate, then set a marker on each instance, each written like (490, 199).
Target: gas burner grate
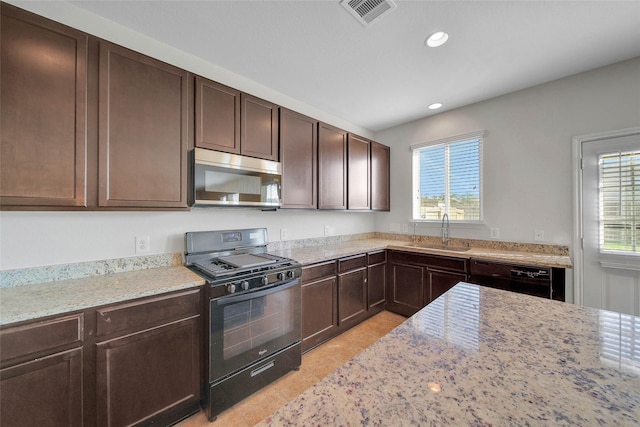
(214, 268)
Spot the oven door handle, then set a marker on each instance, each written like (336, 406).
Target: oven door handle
(258, 294)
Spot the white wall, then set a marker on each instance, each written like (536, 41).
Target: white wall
(30, 239)
(527, 150)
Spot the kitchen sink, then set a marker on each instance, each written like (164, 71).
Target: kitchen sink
(440, 247)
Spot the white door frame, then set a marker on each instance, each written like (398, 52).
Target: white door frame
(578, 253)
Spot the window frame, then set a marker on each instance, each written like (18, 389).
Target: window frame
(415, 178)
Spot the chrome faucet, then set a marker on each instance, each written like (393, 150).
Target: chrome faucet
(445, 229)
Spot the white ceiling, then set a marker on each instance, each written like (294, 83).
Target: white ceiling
(382, 76)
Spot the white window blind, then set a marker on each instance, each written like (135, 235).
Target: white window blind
(620, 202)
(447, 179)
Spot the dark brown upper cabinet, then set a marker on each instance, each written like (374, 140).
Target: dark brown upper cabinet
(359, 163)
(332, 167)
(217, 116)
(234, 122)
(259, 128)
(298, 155)
(380, 187)
(43, 111)
(144, 127)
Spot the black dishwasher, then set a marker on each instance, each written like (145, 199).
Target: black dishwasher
(545, 282)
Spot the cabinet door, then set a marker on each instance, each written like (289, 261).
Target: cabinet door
(217, 114)
(440, 282)
(44, 392)
(380, 159)
(358, 188)
(259, 133)
(406, 289)
(332, 167)
(319, 311)
(143, 374)
(377, 287)
(43, 80)
(352, 297)
(143, 131)
(298, 151)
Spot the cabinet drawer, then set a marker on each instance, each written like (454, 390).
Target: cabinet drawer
(377, 257)
(317, 271)
(147, 313)
(351, 263)
(428, 260)
(34, 338)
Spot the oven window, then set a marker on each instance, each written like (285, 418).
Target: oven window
(251, 323)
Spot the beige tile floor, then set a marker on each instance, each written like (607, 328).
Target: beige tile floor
(316, 364)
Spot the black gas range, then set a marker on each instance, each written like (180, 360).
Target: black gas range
(254, 319)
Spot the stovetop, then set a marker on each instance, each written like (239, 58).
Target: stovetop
(220, 266)
(237, 260)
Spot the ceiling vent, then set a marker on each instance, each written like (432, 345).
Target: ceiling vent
(368, 12)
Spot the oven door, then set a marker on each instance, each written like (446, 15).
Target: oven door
(248, 327)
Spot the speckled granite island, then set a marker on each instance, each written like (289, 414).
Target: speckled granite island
(478, 356)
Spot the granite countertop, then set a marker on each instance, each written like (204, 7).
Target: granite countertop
(314, 254)
(478, 356)
(39, 292)
(33, 301)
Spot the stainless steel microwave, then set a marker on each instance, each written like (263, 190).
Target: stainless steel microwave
(223, 179)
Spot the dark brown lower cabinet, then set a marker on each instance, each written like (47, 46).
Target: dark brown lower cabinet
(319, 303)
(442, 281)
(339, 294)
(415, 280)
(142, 375)
(148, 360)
(406, 288)
(352, 297)
(376, 281)
(43, 392)
(41, 372)
(125, 364)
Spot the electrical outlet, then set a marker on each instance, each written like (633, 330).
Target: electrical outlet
(495, 233)
(283, 234)
(405, 228)
(327, 230)
(143, 244)
(538, 235)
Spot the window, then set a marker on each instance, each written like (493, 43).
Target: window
(620, 202)
(447, 178)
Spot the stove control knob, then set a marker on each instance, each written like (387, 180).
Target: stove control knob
(280, 276)
(290, 274)
(244, 285)
(264, 280)
(231, 288)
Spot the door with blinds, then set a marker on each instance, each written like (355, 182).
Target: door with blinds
(611, 223)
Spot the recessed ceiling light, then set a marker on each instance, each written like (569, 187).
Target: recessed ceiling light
(435, 106)
(437, 39)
